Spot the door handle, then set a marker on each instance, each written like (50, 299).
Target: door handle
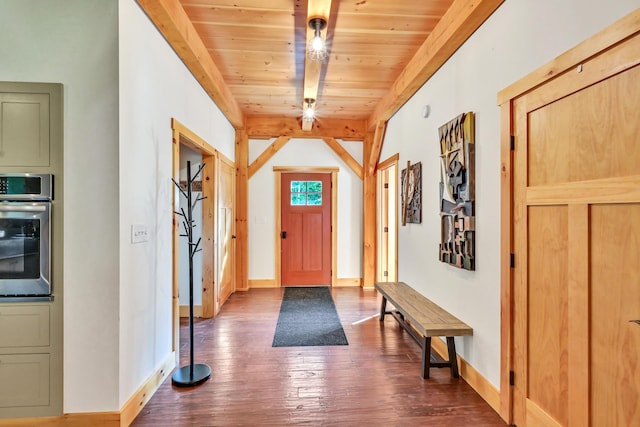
(283, 234)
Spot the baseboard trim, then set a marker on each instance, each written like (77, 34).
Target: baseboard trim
(262, 283)
(484, 388)
(271, 283)
(197, 311)
(348, 282)
(123, 418)
(101, 419)
(134, 405)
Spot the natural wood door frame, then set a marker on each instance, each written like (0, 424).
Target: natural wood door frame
(385, 204)
(571, 61)
(182, 135)
(278, 171)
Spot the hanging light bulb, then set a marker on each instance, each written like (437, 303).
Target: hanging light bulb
(317, 47)
(308, 115)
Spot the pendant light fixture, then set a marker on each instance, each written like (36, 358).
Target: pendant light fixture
(309, 113)
(317, 47)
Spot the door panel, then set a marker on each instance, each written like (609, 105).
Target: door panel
(306, 220)
(226, 242)
(547, 310)
(566, 136)
(615, 299)
(312, 241)
(576, 284)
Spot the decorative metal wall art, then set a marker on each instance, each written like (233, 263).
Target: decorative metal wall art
(457, 192)
(411, 185)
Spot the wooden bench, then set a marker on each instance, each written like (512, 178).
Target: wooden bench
(423, 319)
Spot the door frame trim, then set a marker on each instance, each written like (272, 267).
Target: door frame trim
(623, 29)
(181, 135)
(278, 171)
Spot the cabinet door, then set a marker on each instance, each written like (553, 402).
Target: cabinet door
(24, 380)
(24, 129)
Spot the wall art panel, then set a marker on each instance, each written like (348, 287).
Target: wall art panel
(411, 185)
(457, 192)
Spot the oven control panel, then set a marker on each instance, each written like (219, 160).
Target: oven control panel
(25, 187)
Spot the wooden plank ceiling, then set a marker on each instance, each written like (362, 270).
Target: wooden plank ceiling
(379, 53)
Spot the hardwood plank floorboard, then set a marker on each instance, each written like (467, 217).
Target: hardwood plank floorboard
(374, 381)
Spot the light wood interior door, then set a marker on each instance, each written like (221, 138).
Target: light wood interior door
(387, 224)
(306, 229)
(226, 233)
(577, 246)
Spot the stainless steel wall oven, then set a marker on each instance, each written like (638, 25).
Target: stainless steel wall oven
(25, 237)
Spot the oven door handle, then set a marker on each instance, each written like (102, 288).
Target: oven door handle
(23, 208)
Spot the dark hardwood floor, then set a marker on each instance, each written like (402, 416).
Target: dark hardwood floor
(374, 381)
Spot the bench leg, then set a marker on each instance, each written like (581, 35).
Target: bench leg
(426, 357)
(453, 359)
(383, 308)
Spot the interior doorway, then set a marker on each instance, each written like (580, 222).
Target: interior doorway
(226, 230)
(216, 187)
(387, 221)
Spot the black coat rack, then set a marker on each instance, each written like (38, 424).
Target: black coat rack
(192, 374)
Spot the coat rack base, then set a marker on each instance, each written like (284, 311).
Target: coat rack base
(183, 377)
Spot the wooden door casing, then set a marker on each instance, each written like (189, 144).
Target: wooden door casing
(576, 239)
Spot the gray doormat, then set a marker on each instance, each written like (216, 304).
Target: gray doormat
(308, 317)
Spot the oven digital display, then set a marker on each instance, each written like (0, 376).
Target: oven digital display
(15, 185)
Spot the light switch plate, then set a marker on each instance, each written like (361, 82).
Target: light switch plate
(139, 233)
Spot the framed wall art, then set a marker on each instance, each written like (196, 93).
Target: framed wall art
(411, 186)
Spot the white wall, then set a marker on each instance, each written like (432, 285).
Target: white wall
(519, 37)
(75, 42)
(154, 87)
(120, 92)
(261, 219)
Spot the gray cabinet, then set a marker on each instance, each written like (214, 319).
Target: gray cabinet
(24, 129)
(31, 332)
(24, 380)
(24, 326)
(24, 355)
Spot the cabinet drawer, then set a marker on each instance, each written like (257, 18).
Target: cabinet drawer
(24, 326)
(24, 380)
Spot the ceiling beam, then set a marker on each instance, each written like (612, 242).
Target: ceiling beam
(267, 154)
(273, 127)
(345, 156)
(313, 69)
(460, 21)
(376, 148)
(174, 24)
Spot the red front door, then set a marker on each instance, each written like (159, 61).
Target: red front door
(306, 229)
